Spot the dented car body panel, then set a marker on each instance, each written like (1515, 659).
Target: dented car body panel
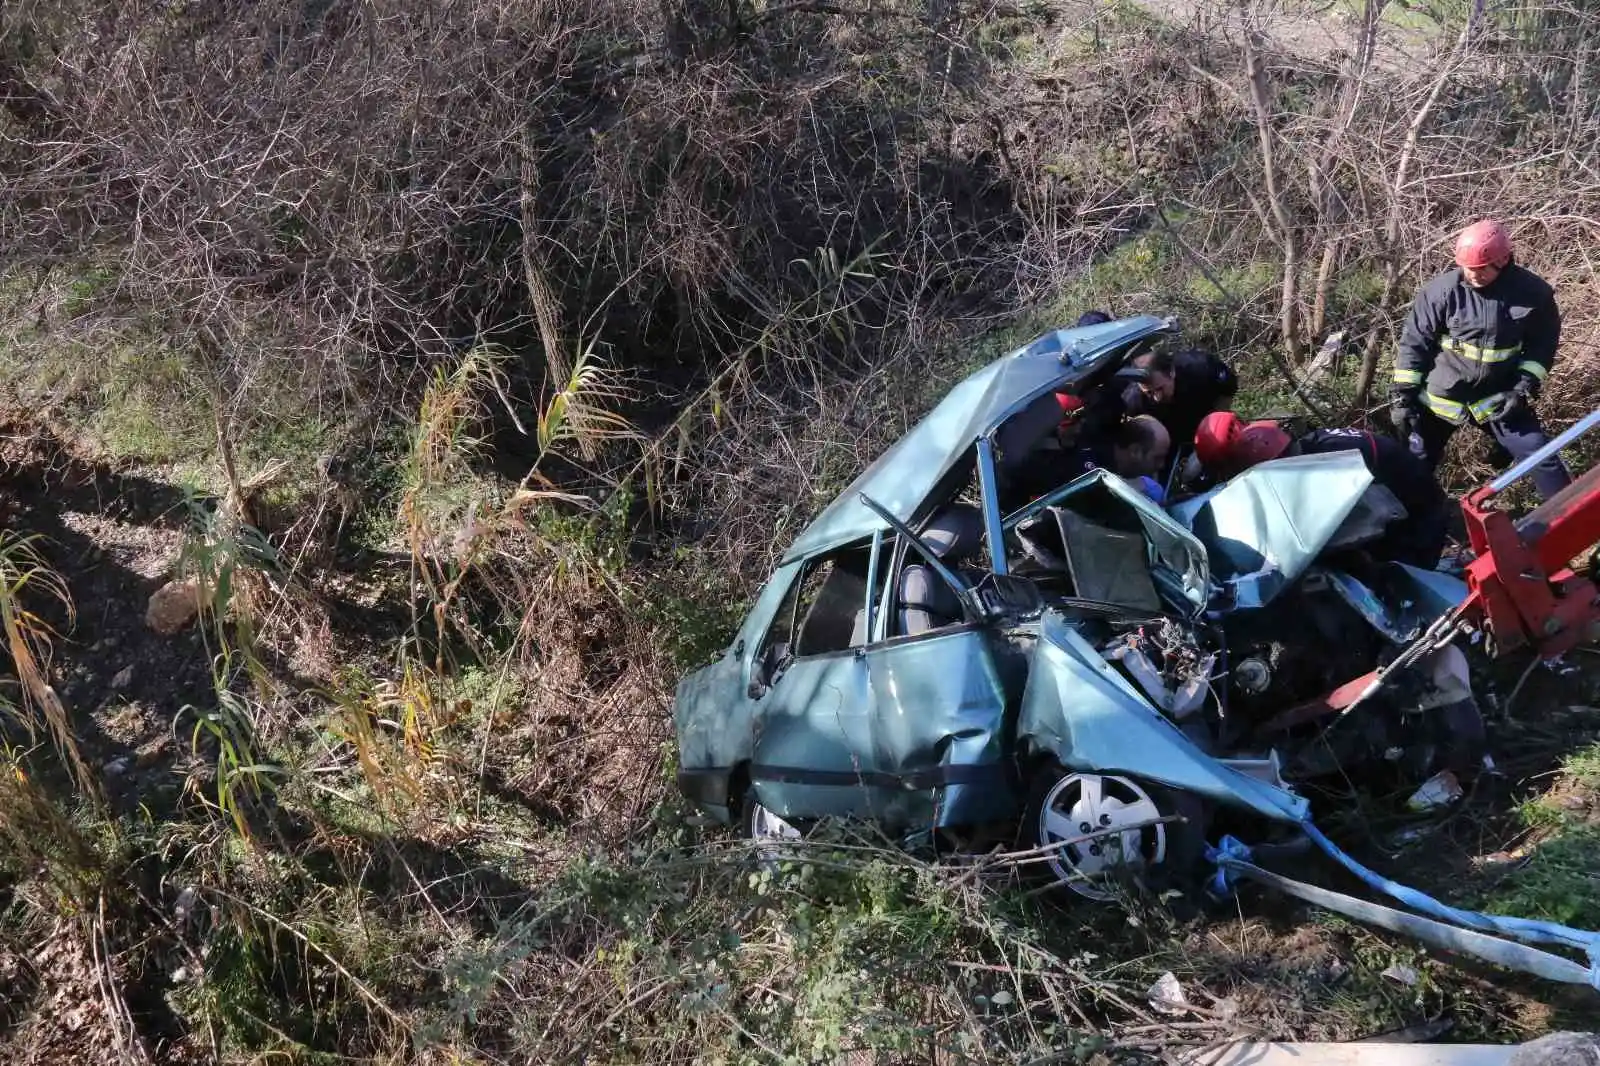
(1088, 717)
(1263, 528)
(852, 690)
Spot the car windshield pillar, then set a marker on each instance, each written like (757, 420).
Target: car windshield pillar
(989, 486)
(872, 583)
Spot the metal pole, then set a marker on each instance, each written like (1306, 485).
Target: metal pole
(989, 485)
(1524, 468)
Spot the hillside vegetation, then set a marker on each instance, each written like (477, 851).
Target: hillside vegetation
(464, 366)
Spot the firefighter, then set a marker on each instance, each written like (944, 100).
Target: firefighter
(1181, 388)
(1227, 446)
(1178, 388)
(1476, 347)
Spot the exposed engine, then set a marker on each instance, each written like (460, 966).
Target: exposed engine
(1302, 646)
(1165, 661)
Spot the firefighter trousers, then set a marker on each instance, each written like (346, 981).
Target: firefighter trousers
(1518, 433)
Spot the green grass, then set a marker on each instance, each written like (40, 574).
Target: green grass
(118, 386)
(1561, 880)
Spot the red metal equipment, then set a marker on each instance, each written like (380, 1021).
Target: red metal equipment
(1521, 588)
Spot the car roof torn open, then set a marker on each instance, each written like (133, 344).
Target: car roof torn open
(902, 478)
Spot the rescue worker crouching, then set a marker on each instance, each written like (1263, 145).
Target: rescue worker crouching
(1135, 450)
(1477, 345)
(1227, 446)
(1177, 387)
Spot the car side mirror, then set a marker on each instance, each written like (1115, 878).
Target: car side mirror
(1008, 594)
(771, 662)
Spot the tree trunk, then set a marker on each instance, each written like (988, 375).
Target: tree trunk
(1283, 219)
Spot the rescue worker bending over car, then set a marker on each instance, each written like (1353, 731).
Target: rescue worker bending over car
(1136, 449)
(1227, 446)
(1178, 388)
(1479, 341)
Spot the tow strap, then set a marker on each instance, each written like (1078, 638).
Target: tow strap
(1448, 928)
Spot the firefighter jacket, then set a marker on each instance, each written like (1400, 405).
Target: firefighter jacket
(1392, 465)
(1470, 345)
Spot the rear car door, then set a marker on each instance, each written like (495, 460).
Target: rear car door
(812, 749)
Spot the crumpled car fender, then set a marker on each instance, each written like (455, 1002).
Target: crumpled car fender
(1077, 708)
(1265, 527)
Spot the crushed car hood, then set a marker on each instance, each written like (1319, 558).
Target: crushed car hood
(1262, 529)
(1088, 717)
(904, 475)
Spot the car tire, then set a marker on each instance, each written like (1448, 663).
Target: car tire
(1169, 853)
(772, 835)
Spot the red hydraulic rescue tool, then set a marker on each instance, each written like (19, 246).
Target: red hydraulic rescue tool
(1521, 588)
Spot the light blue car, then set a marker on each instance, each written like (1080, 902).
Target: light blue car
(1086, 670)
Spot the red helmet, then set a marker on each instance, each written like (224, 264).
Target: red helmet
(1258, 442)
(1482, 244)
(1214, 440)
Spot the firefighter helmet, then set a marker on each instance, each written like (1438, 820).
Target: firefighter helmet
(1482, 244)
(1214, 440)
(1259, 442)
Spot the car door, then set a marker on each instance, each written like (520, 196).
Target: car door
(938, 716)
(812, 748)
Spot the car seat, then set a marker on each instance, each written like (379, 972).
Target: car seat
(926, 600)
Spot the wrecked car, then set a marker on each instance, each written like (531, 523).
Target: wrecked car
(1086, 672)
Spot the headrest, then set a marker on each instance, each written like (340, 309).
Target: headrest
(954, 531)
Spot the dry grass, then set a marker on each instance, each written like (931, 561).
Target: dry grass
(627, 293)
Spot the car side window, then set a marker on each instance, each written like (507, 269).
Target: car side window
(826, 608)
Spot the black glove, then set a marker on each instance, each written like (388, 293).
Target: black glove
(1505, 404)
(1519, 397)
(1406, 412)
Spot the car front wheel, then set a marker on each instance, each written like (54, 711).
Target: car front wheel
(1103, 830)
(768, 831)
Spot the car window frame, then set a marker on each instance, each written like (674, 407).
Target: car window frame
(787, 613)
(891, 602)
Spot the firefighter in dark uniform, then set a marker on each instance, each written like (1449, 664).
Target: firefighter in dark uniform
(1177, 388)
(1226, 446)
(1476, 347)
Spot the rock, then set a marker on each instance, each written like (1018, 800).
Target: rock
(1401, 974)
(1559, 1049)
(117, 767)
(124, 678)
(1166, 995)
(173, 606)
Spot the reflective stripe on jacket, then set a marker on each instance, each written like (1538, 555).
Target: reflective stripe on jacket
(1470, 344)
(1457, 413)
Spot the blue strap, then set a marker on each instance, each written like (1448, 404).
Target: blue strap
(1528, 929)
(1225, 855)
(1231, 857)
(1442, 935)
